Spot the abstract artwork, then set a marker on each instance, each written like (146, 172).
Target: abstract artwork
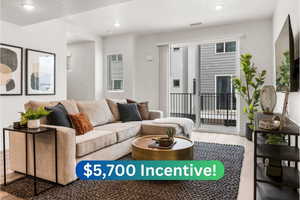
(11, 63)
(40, 72)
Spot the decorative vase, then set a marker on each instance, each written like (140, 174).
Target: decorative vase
(248, 132)
(34, 124)
(268, 99)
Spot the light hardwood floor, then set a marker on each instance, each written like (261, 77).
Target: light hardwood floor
(246, 183)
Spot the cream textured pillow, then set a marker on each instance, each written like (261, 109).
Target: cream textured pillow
(70, 106)
(112, 103)
(98, 112)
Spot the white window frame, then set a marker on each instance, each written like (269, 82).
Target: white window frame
(231, 87)
(224, 47)
(107, 71)
(216, 48)
(113, 84)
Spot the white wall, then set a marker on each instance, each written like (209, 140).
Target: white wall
(48, 36)
(125, 45)
(285, 8)
(77, 34)
(81, 79)
(256, 40)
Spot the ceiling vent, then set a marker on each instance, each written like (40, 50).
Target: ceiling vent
(196, 24)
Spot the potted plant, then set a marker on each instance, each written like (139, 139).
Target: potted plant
(273, 166)
(167, 141)
(32, 117)
(249, 88)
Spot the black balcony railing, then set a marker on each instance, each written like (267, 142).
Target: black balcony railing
(182, 105)
(214, 108)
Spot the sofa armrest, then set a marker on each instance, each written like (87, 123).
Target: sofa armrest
(155, 114)
(66, 153)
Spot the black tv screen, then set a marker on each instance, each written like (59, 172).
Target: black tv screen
(286, 72)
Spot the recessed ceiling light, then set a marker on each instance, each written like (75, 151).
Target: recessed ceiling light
(219, 7)
(28, 7)
(117, 24)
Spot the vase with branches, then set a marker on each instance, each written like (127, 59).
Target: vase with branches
(249, 87)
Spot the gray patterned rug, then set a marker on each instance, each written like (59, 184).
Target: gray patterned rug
(224, 189)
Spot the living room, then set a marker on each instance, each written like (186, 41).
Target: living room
(100, 54)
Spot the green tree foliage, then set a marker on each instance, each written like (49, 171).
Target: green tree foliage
(283, 77)
(250, 88)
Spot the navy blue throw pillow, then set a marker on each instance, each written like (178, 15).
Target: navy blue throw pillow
(58, 116)
(129, 112)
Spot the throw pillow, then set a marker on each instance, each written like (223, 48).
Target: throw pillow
(143, 108)
(129, 112)
(112, 103)
(97, 112)
(58, 116)
(81, 123)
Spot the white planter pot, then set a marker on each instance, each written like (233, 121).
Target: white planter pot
(33, 123)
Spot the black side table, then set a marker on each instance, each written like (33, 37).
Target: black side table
(33, 132)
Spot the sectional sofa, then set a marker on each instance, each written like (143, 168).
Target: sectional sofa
(109, 140)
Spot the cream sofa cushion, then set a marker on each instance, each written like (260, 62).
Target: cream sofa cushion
(98, 112)
(124, 130)
(93, 141)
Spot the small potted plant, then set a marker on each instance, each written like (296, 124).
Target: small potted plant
(32, 117)
(167, 141)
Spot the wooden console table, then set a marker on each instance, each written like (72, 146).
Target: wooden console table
(264, 186)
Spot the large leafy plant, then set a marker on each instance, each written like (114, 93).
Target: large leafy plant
(249, 88)
(283, 77)
(32, 114)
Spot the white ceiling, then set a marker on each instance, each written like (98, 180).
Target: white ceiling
(137, 16)
(13, 12)
(144, 16)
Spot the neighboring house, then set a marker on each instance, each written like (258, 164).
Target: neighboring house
(217, 67)
(179, 70)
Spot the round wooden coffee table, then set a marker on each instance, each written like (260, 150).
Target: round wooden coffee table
(182, 149)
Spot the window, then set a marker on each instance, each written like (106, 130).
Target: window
(115, 72)
(225, 47)
(176, 83)
(117, 84)
(230, 46)
(220, 47)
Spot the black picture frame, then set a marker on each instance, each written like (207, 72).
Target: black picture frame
(28, 93)
(21, 70)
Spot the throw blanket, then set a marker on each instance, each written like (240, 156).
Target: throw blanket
(187, 125)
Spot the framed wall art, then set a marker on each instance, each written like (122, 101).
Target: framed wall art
(40, 72)
(11, 70)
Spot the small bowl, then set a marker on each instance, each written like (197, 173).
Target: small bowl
(165, 141)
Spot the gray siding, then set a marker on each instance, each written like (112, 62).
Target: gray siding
(212, 64)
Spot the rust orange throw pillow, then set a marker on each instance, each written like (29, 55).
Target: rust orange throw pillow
(81, 123)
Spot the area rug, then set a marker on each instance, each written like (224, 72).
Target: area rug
(225, 189)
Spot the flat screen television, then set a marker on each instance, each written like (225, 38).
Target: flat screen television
(287, 73)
